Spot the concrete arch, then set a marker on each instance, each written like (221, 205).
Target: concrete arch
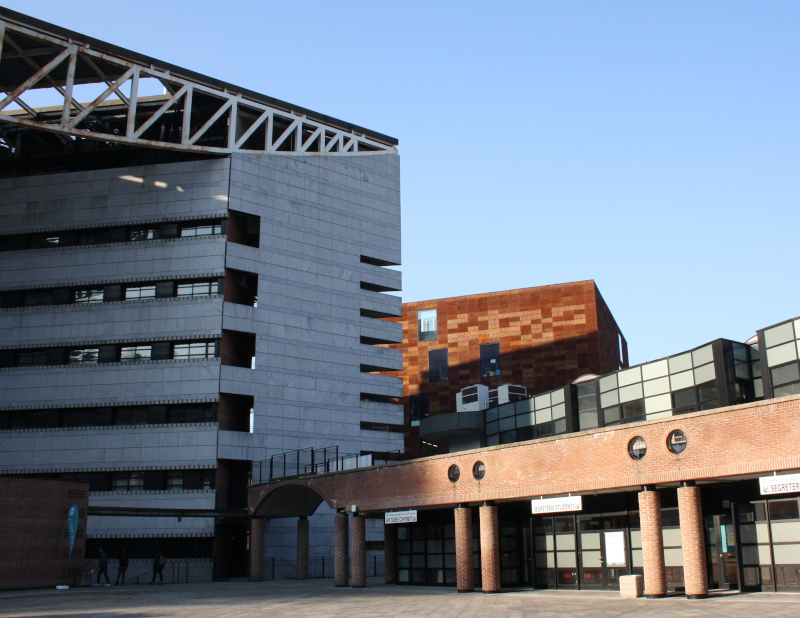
(288, 499)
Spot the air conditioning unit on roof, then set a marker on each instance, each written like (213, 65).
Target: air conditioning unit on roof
(472, 398)
(506, 393)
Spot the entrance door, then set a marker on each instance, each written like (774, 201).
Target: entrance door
(722, 554)
(604, 558)
(554, 552)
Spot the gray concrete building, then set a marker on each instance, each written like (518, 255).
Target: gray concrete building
(176, 308)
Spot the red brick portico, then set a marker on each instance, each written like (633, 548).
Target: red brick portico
(726, 443)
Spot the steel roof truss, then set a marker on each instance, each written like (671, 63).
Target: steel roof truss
(310, 137)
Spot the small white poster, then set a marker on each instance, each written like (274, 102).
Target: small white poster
(784, 484)
(615, 549)
(556, 505)
(400, 517)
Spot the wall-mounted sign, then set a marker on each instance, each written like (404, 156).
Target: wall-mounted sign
(615, 549)
(786, 484)
(556, 505)
(400, 517)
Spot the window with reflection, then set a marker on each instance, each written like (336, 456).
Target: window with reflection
(194, 351)
(138, 292)
(88, 295)
(84, 355)
(426, 325)
(490, 360)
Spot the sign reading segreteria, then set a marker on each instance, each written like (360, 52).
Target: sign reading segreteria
(400, 517)
(556, 505)
(788, 483)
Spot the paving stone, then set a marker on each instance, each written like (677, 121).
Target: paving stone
(318, 598)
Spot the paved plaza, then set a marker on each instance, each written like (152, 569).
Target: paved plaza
(318, 598)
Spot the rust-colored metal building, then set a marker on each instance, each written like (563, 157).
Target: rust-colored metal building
(539, 338)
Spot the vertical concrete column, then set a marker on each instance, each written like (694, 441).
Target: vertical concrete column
(302, 548)
(341, 554)
(465, 571)
(390, 553)
(490, 548)
(256, 549)
(655, 573)
(693, 539)
(359, 556)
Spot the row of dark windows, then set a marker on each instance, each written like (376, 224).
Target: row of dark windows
(121, 233)
(108, 416)
(439, 368)
(139, 480)
(96, 294)
(92, 355)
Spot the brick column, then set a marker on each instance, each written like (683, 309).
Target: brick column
(655, 573)
(256, 550)
(390, 553)
(359, 556)
(302, 548)
(341, 555)
(465, 571)
(693, 538)
(490, 548)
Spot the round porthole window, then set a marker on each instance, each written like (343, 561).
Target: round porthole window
(479, 470)
(676, 442)
(453, 473)
(637, 448)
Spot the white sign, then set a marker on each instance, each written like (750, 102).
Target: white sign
(615, 549)
(556, 505)
(786, 484)
(400, 517)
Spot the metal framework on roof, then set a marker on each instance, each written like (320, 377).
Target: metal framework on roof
(196, 113)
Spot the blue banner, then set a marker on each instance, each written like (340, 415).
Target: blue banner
(72, 523)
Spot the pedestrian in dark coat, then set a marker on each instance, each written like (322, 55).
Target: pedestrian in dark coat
(123, 566)
(158, 568)
(103, 568)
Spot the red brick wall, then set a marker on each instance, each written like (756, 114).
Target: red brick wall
(302, 548)
(256, 550)
(358, 560)
(341, 549)
(548, 336)
(465, 571)
(34, 540)
(490, 549)
(655, 573)
(693, 541)
(721, 443)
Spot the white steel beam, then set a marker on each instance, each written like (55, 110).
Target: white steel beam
(326, 139)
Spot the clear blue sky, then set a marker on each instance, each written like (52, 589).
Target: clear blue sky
(651, 146)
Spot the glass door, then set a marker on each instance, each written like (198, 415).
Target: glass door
(554, 552)
(722, 553)
(604, 558)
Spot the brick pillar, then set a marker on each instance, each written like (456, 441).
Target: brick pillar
(302, 548)
(465, 571)
(490, 548)
(359, 556)
(693, 538)
(655, 573)
(390, 553)
(341, 555)
(256, 550)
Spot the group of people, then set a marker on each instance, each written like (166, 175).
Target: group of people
(158, 568)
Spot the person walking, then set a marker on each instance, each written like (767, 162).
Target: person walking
(103, 568)
(158, 569)
(123, 566)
